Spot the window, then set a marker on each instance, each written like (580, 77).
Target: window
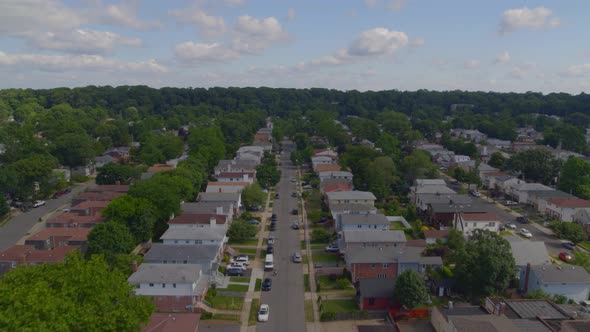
(14, 264)
(173, 285)
(372, 266)
(381, 275)
(163, 285)
(175, 241)
(359, 226)
(185, 261)
(385, 266)
(371, 301)
(165, 262)
(151, 285)
(187, 241)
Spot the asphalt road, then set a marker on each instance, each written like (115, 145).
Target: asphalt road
(286, 297)
(20, 224)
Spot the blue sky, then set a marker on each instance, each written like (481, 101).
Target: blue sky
(362, 44)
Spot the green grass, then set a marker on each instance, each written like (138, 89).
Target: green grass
(303, 246)
(506, 233)
(232, 318)
(308, 311)
(326, 283)
(317, 246)
(262, 254)
(325, 257)
(306, 283)
(253, 312)
(258, 285)
(249, 242)
(247, 250)
(239, 279)
(236, 288)
(585, 244)
(223, 302)
(339, 306)
(304, 259)
(396, 225)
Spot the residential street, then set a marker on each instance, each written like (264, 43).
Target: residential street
(20, 225)
(286, 297)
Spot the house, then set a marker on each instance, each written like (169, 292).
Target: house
(70, 219)
(521, 146)
(330, 185)
(338, 210)
(234, 166)
(103, 160)
(443, 215)
(456, 159)
(200, 220)
(327, 167)
(120, 154)
(322, 160)
(233, 198)
(173, 287)
(208, 236)
(431, 236)
(582, 217)
(17, 255)
(353, 239)
(95, 196)
(350, 197)
(222, 208)
(498, 143)
(89, 208)
(425, 199)
(525, 253)
(484, 168)
(226, 187)
(205, 256)
(488, 179)
(521, 191)
(376, 294)
(563, 209)
(538, 199)
(335, 175)
(469, 222)
(266, 146)
(412, 259)
(166, 322)
(417, 191)
(470, 134)
(570, 281)
(121, 188)
(325, 152)
(505, 183)
(51, 238)
(62, 172)
(236, 177)
(362, 222)
(88, 170)
(429, 182)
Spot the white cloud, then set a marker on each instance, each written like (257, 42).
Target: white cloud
(26, 17)
(208, 25)
(194, 52)
(125, 14)
(396, 5)
(417, 42)
(502, 58)
(252, 35)
(78, 62)
(82, 41)
(470, 64)
(579, 70)
(371, 3)
(526, 18)
(291, 14)
(378, 41)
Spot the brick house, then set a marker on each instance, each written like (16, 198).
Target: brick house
(89, 208)
(96, 196)
(376, 294)
(70, 219)
(356, 239)
(236, 177)
(51, 238)
(17, 255)
(327, 167)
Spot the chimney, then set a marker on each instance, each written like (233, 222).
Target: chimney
(219, 210)
(134, 266)
(526, 277)
(212, 221)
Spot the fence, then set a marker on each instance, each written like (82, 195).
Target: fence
(396, 314)
(326, 271)
(355, 315)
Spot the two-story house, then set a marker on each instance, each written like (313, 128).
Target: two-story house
(89, 208)
(200, 220)
(173, 287)
(525, 253)
(520, 192)
(236, 177)
(226, 187)
(338, 210)
(335, 175)
(234, 166)
(233, 198)
(469, 222)
(350, 197)
(207, 236)
(539, 198)
(570, 281)
(51, 238)
(330, 185)
(206, 256)
(220, 208)
(362, 222)
(354, 239)
(26, 255)
(563, 209)
(69, 219)
(322, 160)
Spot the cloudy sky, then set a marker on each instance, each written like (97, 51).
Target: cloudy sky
(343, 44)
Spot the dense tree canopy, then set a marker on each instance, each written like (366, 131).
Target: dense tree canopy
(410, 289)
(137, 214)
(109, 239)
(575, 177)
(112, 173)
(536, 165)
(253, 196)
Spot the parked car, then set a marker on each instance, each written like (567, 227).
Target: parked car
(266, 284)
(475, 193)
(294, 212)
(332, 248)
(272, 227)
(564, 256)
(234, 272)
(241, 259)
(511, 226)
(38, 203)
(253, 221)
(502, 228)
(522, 219)
(271, 240)
(263, 313)
(455, 182)
(294, 194)
(236, 265)
(293, 179)
(568, 245)
(297, 258)
(510, 203)
(276, 196)
(295, 225)
(269, 249)
(525, 232)
(273, 217)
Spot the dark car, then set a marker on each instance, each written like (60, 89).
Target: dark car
(270, 249)
(274, 216)
(252, 221)
(294, 195)
(568, 245)
(267, 284)
(276, 196)
(294, 212)
(272, 227)
(234, 272)
(522, 220)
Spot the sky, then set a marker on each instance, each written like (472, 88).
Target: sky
(499, 45)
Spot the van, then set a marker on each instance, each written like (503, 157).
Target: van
(269, 263)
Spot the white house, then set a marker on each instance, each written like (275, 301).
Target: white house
(563, 209)
(235, 166)
(234, 198)
(354, 239)
(235, 177)
(335, 175)
(468, 222)
(527, 252)
(582, 217)
(226, 187)
(322, 160)
(538, 199)
(458, 158)
(338, 210)
(570, 281)
(352, 222)
(521, 191)
(504, 184)
(418, 191)
(351, 197)
(325, 152)
(207, 236)
(207, 257)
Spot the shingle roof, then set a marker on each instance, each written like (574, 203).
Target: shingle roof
(529, 252)
(166, 273)
(550, 194)
(450, 208)
(570, 274)
(327, 167)
(57, 254)
(376, 287)
(110, 187)
(194, 233)
(172, 322)
(373, 236)
(530, 187)
(352, 207)
(218, 197)
(436, 234)
(160, 251)
(351, 195)
(74, 233)
(206, 207)
(486, 216)
(535, 308)
(430, 182)
(199, 219)
(232, 184)
(390, 255)
(364, 219)
(570, 202)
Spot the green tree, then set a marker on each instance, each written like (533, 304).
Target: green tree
(569, 230)
(78, 295)
(418, 165)
(73, 149)
(381, 177)
(497, 160)
(485, 265)
(109, 239)
(267, 173)
(410, 289)
(4, 208)
(240, 230)
(20, 175)
(113, 173)
(536, 165)
(574, 177)
(253, 196)
(136, 213)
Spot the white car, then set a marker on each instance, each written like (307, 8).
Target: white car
(475, 193)
(526, 233)
(37, 204)
(241, 259)
(511, 226)
(236, 265)
(263, 313)
(510, 203)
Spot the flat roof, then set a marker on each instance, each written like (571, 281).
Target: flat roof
(194, 233)
(351, 195)
(561, 274)
(374, 236)
(535, 308)
(166, 273)
(160, 251)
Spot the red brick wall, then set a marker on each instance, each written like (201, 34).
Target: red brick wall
(364, 271)
(172, 303)
(381, 303)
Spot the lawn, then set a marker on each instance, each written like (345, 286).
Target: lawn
(339, 306)
(258, 285)
(325, 257)
(317, 246)
(585, 245)
(236, 288)
(233, 318)
(303, 245)
(253, 312)
(223, 302)
(250, 242)
(247, 250)
(396, 225)
(308, 311)
(326, 283)
(239, 279)
(306, 283)
(506, 233)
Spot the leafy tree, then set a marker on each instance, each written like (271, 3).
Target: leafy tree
(73, 149)
(4, 208)
(109, 239)
(207, 144)
(455, 240)
(78, 295)
(418, 165)
(319, 235)
(136, 213)
(536, 165)
(381, 176)
(389, 145)
(20, 175)
(253, 195)
(575, 177)
(240, 230)
(267, 173)
(497, 160)
(114, 173)
(484, 265)
(569, 230)
(410, 289)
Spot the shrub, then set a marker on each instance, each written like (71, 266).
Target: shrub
(206, 315)
(333, 277)
(342, 283)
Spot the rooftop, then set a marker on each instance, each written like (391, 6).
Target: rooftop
(569, 202)
(364, 219)
(436, 234)
(390, 255)
(327, 167)
(218, 197)
(91, 204)
(486, 216)
(194, 233)
(550, 194)
(206, 207)
(570, 274)
(336, 174)
(98, 195)
(172, 322)
(531, 187)
(377, 287)
(74, 233)
(57, 254)
(529, 252)
(530, 309)
(160, 251)
(232, 184)
(352, 207)
(433, 189)
(475, 207)
(235, 174)
(351, 195)
(166, 273)
(430, 182)
(373, 236)
(199, 219)
(160, 168)
(110, 187)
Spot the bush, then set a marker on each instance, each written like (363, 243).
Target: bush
(342, 283)
(206, 315)
(319, 235)
(333, 277)
(318, 289)
(327, 316)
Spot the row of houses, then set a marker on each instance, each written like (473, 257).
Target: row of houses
(178, 272)
(64, 232)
